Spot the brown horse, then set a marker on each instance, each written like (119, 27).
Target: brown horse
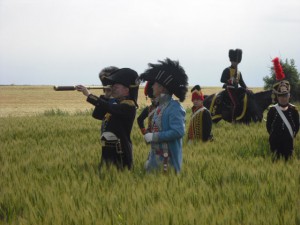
(250, 107)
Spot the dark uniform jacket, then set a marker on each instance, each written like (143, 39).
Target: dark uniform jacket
(230, 72)
(118, 118)
(280, 138)
(200, 125)
(275, 125)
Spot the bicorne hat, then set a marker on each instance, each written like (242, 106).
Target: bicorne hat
(170, 75)
(126, 77)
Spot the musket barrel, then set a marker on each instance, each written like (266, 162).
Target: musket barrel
(72, 88)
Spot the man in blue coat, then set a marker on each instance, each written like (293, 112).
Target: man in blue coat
(168, 122)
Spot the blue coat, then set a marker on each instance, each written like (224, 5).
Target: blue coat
(173, 128)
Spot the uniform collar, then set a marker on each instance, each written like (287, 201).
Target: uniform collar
(122, 99)
(164, 98)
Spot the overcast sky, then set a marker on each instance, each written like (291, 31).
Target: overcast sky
(67, 42)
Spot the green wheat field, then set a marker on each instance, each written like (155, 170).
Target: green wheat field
(49, 155)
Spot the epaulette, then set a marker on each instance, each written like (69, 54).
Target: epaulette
(93, 97)
(292, 106)
(270, 106)
(128, 102)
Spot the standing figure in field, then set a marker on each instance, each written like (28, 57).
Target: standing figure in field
(168, 122)
(282, 118)
(232, 79)
(117, 116)
(201, 122)
(148, 111)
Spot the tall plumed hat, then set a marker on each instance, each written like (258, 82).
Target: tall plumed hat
(106, 72)
(281, 87)
(197, 93)
(126, 77)
(169, 74)
(235, 55)
(148, 91)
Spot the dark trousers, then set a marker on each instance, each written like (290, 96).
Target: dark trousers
(282, 147)
(232, 94)
(110, 156)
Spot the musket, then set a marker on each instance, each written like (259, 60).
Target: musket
(72, 88)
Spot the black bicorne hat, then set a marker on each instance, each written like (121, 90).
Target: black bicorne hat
(169, 74)
(126, 77)
(235, 55)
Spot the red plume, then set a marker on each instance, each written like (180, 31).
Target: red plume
(278, 69)
(146, 89)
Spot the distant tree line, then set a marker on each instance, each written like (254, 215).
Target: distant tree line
(291, 74)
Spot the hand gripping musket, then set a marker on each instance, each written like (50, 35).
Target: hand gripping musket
(72, 88)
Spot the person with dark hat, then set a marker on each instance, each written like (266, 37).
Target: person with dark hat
(148, 111)
(168, 122)
(232, 79)
(117, 116)
(282, 118)
(201, 122)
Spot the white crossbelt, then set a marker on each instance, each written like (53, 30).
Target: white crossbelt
(288, 125)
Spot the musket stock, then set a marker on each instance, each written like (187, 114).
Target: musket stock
(72, 88)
